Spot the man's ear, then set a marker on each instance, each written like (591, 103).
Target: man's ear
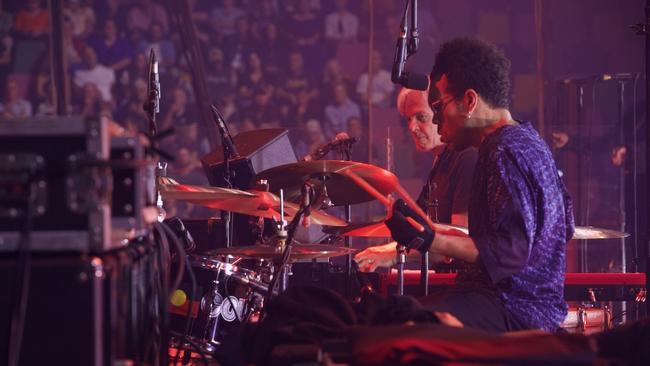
(470, 101)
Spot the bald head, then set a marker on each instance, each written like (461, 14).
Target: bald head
(414, 106)
(409, 97)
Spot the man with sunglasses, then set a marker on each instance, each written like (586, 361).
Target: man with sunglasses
(520, 215)
(445, 196)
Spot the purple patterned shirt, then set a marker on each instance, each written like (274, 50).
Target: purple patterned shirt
(520, 217)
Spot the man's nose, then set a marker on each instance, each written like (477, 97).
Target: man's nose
(413, 126)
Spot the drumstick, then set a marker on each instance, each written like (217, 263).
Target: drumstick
(411, 203)
(370, 189)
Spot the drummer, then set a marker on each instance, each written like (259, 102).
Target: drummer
(445, 196)
(520, 214)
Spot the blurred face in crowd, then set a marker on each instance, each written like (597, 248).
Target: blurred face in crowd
(271, 31)
(295, 61)
(184, 157)
(313, 130)
(156, 32)
(355, 127)
(254, 61)
(340, 94)
(110, 29)
(413, 105)
(216, 56)
(180, 97)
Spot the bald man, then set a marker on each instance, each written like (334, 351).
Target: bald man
(445, 196)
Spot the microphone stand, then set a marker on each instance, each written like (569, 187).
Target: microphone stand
(345, 153)
(229, 151)
(152, 107)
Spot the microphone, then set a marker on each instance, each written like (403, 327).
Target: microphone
(152, 106)
(403, 51)
(177, 226)
(225, 133)
(341, 138)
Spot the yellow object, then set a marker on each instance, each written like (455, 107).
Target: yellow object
(178, 298)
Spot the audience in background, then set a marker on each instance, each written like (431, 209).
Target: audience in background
(14, 106)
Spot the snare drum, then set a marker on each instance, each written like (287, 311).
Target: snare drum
(226, 295)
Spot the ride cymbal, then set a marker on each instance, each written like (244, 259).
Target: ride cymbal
(340, 189)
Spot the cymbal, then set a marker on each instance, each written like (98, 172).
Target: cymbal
(340, 188)
(171, 189)
(253, 203)
(298, 251)
(380, 230)
(591, 233)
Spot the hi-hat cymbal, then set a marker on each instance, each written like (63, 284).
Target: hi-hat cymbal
(298, 251)
(380, 230)
(253, 203)
(340, 188)
(171, 189)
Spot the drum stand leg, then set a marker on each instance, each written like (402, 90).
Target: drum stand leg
(284, 280)
(401, 258)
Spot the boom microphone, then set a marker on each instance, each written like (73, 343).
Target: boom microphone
(340, 139)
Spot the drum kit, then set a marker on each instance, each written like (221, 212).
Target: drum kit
(237, 294)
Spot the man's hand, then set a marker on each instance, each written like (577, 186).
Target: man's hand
(409, 229)
(371, 258)
(560, 139)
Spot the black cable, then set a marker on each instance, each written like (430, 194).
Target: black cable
(182, 257)
(194, 344)
(23, 278)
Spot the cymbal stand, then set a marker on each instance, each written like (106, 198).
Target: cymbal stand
(345, 151)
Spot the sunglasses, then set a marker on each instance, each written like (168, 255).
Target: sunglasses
(438, 107)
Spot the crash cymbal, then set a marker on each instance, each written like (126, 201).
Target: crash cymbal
(298, 251)
(591, 233)
(340, 188)
(253, 203)
(380, 230)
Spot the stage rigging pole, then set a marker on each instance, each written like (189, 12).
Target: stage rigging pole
(645, 252)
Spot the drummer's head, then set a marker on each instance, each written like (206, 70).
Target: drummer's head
(413, 105)
(470, 87)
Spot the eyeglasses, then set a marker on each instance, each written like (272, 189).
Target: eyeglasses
(438, 107)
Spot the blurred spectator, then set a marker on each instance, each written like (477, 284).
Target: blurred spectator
(296, 79)
(238, 45)
(304, 109)
(95, 73)
(44, 95)
(163, 48)
(272, 50)
(136, 119)
(33, 21)
(252, 75)
(91, 101)
(381, 86)
(305, 29)
(112, 50)
(188, 136)
(332, 76)
(341, 25)
(6, 41)
(187, 167)
(115, 10)
(81, 16)
(313, 138)
(338, 113)
(262, 14)
(220, 78)
(144, 14)
(14, 106)
(72, 47)
(180, 113)
(224, 18)
(356, 128)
